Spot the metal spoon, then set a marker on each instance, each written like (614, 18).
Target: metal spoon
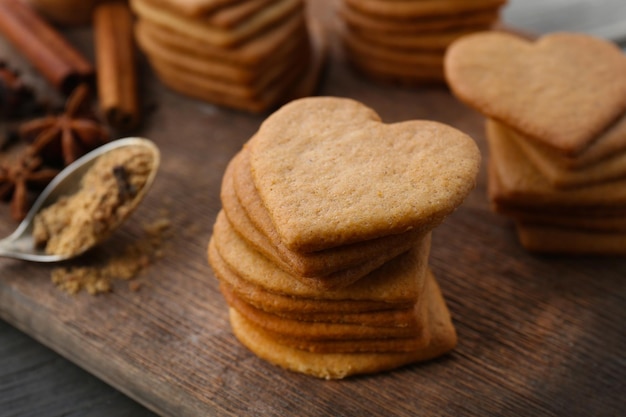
(20, 244)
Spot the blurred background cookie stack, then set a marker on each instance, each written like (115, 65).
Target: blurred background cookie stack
(247, 55)
(556, 131)
(324, 267)
(405, 41)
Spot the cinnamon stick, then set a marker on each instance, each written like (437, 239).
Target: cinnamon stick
(116, 64)
(49, 52)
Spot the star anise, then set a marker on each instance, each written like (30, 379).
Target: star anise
(17, 100)
(65, 137)
(18, 178)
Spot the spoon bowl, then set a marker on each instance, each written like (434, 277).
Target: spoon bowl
(20, 244)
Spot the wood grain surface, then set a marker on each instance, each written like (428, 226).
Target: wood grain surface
(538, 335)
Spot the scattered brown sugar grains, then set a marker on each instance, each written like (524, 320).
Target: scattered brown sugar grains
(109, 192)
(73, 280)
(157, 227)
(127, 265)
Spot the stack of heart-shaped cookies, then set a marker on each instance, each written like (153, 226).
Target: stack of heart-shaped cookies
(322, 244)
(556, 129)
(247, 55)
(405, 41)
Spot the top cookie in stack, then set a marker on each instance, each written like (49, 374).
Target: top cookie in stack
(556, 133)
(244, 54)
(404, 41)
(322, 245)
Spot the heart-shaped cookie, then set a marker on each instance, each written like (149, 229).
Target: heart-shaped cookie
(331, 173)
(563, 90)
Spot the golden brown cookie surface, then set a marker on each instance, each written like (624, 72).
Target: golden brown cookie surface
(287, 304)
(513, 179)
(398, 280)
(331, 173)
(555, 239)
(549, 89)
(340, 365)
(422, 8)
(556, 172)
(249, 218)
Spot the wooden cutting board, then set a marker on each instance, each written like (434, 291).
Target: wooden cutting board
(538, 335)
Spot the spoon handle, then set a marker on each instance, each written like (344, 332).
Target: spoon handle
(5, 249)
(24, 250)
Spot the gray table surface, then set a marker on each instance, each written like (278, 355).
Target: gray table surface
(35, 381)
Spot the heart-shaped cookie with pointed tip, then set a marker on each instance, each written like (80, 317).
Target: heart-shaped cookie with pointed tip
(563, 89)
(330, 172)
